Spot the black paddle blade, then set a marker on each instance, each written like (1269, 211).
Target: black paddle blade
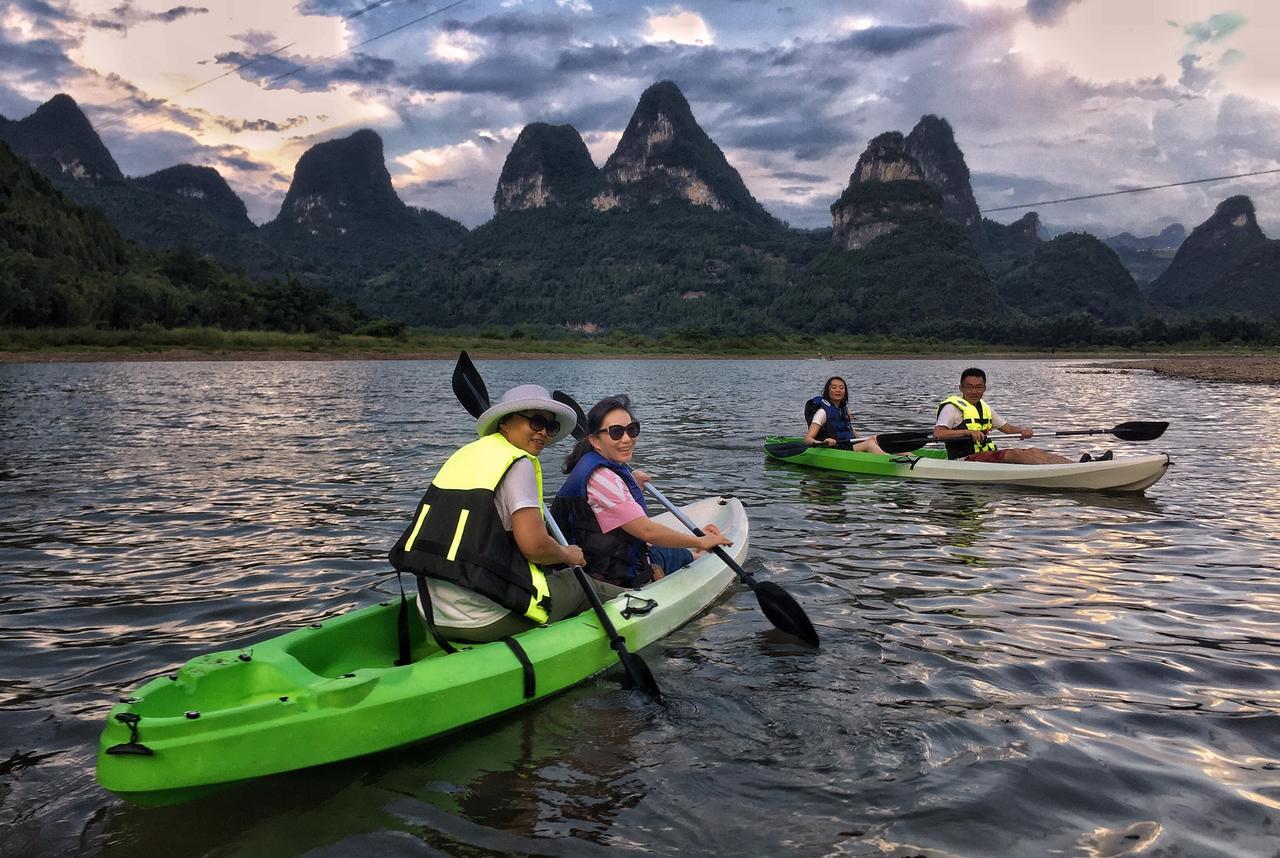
(784, 612)
(902, 442)
(579, 428)
(786, 449)
(638, 675)
(1140, 430)
(469, 387)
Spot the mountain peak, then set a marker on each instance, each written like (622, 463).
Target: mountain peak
(665, 155)
(886, 189)
(1212, 267)
(886, 160)
(60, 142)
(549, 165)
(933, 144)
(338, 177)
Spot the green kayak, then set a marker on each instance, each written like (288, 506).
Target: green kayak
(1129, 474)
(330, 691)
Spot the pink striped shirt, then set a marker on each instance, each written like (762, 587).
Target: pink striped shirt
(609, 499)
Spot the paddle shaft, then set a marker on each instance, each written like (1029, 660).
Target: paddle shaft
(637, 671)
(747, 577)
(778, 605)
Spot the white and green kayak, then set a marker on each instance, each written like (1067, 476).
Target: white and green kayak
(331, 691)
(1127, 474)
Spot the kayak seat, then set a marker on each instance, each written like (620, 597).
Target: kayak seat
(358, 640)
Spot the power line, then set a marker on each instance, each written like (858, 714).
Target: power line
(356, 14)
(1128, 191)
(406, 25)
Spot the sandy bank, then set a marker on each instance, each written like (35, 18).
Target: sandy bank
(1252, 369)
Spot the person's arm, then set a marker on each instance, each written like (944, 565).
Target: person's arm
(1020, 431)
(658, 534)
(811, 437)
(536, 544)
(943, 431)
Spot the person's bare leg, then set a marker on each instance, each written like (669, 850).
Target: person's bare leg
(1033, 456)
(868, 445)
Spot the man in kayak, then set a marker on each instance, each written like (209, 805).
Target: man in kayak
(965, 421)
(602, 508)
(477, 543)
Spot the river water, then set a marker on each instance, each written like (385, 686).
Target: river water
(1002, 672)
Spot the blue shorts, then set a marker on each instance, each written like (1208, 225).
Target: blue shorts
(670, 559)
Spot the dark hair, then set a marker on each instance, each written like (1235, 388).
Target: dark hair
(826, 392)
(595, 420)
(973, 371)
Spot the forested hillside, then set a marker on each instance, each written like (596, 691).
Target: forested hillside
(65, 265)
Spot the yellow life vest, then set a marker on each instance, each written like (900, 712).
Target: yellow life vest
(457, 535)
(972, 417)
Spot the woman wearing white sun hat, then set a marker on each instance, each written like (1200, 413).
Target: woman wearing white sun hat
(477, 543)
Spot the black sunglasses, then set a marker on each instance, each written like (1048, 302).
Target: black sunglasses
(616, 431)
(538, 423)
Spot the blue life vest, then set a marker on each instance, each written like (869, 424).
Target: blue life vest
(616, 557)
(838, 425)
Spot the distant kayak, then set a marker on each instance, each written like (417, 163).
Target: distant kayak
(331, 691)
(1121, 474)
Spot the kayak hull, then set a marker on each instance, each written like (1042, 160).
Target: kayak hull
(1126, 474)
(331, 692)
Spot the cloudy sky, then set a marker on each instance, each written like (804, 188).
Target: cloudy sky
(1048, 98)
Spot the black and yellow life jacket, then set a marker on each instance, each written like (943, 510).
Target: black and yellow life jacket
(973, 417)
(457, 535)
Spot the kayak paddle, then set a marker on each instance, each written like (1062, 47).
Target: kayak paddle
(1133, 430)
(778, 605)
(790, 449)
(469, 387)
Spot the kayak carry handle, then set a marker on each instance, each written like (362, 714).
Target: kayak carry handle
(132, 747)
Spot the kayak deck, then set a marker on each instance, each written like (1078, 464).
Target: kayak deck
(1128, 474)
(331, 691)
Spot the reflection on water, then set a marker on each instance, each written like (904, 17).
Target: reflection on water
(1003, 671)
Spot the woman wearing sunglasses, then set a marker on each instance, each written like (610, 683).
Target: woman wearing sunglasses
(601, 507)
(477, 543)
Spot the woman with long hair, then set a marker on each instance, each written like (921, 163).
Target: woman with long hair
(829, 422)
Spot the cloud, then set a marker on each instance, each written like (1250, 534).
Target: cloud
(678, 25)
(892, 39)
(1194, 77)
(1215, 28)
(239, 126)
(1046, 13)
(124, 16)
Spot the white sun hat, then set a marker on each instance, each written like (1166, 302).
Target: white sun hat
(526, 397)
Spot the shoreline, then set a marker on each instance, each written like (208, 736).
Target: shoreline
(1248, 369)
(1239, 369)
